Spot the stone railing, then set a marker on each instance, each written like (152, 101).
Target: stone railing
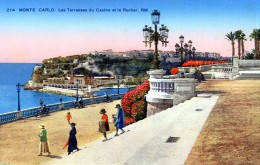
(249, 63)
(225, 69)
(164, 93)
(202, 68)
(162, 85)
(26, 113)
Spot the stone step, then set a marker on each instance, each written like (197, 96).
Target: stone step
(248, 78)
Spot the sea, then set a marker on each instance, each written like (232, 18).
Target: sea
(13, 73)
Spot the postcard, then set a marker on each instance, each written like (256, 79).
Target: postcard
(129, 82)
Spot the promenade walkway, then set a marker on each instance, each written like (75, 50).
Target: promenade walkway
(145, 141)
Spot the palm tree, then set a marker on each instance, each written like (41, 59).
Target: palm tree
(243, 38)
(254, 35)
(238, 34)
(231, 37)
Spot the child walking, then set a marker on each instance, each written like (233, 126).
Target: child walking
(68, 117)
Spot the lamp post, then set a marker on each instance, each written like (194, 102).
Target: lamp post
(77, 90)
(190, 51)
(193, 52)
(186, 50)
(18, 92)
(151, 35)
(181, 49)
(118, 81)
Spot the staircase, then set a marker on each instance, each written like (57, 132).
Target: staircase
(249, 73)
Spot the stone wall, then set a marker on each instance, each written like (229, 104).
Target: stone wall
(153, 108)
(164, 93)
(249, 63)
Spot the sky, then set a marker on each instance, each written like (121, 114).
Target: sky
(48, 29)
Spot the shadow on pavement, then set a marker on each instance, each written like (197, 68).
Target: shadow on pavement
(55, 156)
(209, 92)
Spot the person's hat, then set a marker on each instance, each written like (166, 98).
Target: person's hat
(117, 106)
(73, 124)
(102, 111)
(42, 125)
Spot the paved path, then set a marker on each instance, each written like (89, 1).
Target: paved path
(145, 141)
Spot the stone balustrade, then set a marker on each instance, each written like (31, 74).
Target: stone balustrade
(225, 69)
(249, 63)
(162, 85)
(166, 92)
(202, 68)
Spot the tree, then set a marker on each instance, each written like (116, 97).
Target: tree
(243, 38)
(231, 37)
(238, 34)
(250, 55)
(254, 35)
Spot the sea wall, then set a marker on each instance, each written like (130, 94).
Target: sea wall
(31, 112)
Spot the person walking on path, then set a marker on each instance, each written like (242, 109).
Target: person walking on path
(119, 119)
(41, 102)
(197, 75)
(68, 116)
(60, 99)
(73, 143)
(44, 146)
(61, 107)
(103, 124)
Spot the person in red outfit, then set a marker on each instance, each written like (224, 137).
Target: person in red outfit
(68, 116)
(103, 124)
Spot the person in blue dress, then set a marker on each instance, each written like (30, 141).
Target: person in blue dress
(73, 143)
(119, 119)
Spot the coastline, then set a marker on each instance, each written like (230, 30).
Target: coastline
(67, 92)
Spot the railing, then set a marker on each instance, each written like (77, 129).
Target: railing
(202, 68)
(162, 85)
(6, 117)
(26, 113)
(164, 90)
(249, 63)
(225, 69)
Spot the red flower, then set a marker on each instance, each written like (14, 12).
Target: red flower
(133, 103)
(174, 71)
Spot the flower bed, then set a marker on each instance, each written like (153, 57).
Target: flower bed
(196, 63)
(134, 103)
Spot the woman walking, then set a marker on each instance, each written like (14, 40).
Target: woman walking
(119, 119)
(44, 146)
(73, 143)
(103, 124)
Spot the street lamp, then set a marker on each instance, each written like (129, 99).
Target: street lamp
(193, 52)
(77, 91)
(190, 45)
(180, 48)
(118, 86)
(177, 48)
(18, 92)
(186, 49)
(151, 35)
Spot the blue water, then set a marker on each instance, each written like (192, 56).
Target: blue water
(13, 73)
